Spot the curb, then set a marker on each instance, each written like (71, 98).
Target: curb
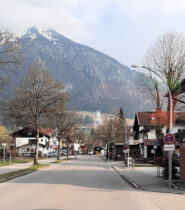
(133, 184)
(136, 186)
(15, 176)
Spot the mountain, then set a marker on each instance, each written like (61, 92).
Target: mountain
(94, 80)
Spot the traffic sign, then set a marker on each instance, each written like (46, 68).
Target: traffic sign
(170, 147)
(155, 144)
(169, 139)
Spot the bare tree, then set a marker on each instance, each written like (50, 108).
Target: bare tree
(10, 54)
(63, 122)
(153, 90)
(35, 99)
(167, 58)
(112, 131)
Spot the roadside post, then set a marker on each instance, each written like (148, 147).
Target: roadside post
(4, 146)
(158, 165)
(126, 151)
(169, 146)
(155, 147)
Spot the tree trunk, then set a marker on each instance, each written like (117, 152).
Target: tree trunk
(67, 150)
(36, 146)
(58, 155)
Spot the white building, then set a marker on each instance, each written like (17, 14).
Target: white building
(97, 121)
(25, 140)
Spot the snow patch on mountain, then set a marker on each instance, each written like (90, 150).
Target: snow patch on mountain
(48, 35)
(31, 35)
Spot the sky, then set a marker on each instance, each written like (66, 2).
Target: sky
(123, 29)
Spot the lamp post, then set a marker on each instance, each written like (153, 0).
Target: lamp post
(170, 126)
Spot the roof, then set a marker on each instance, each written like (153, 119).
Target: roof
(161, 117)
(46, 131)
(144, 118)
(24, 131)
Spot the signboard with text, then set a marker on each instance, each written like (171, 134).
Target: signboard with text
(170, 147)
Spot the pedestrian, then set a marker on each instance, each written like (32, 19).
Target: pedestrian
(110, 155)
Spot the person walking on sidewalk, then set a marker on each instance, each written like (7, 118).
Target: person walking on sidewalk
(110, 155)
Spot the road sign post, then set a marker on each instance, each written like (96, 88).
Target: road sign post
(169, 146)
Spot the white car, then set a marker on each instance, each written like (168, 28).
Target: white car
(90, 152)
(51, 154)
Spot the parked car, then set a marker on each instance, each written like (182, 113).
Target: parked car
(51, 154)
(90, 152)
(64, 152)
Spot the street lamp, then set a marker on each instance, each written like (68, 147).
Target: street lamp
(170, 127)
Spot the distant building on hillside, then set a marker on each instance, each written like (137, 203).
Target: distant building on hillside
(97, 121)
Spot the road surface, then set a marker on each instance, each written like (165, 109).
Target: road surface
(84, 184)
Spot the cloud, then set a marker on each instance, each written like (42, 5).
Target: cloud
(103, 24)
(18, 15)
(74, 18)
(137, 8)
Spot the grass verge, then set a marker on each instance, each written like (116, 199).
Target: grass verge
(17, 160)
(14, 174)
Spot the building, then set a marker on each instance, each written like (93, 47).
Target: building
(145, 129)
(98, 120)
(25, 140)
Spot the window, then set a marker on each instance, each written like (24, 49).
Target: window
(28, 149)
(32, 141)
(29, 133)
(41, 140)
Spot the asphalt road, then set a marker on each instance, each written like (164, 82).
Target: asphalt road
(84, 184)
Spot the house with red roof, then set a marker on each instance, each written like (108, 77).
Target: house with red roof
(145, 129)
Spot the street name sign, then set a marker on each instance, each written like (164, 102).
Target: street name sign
(170, 147)
(169, 139)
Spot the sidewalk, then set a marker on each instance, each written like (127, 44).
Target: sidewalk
(19, 166)
(145, 178)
